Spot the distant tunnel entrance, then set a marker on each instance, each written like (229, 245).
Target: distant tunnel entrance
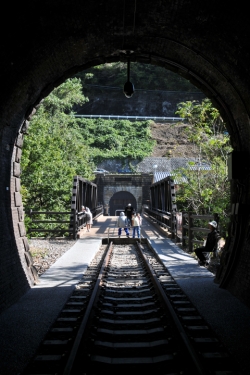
(119, 201)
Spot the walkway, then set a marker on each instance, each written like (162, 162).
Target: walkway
(106, 226)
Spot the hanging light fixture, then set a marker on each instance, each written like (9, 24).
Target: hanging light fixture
(128, 87)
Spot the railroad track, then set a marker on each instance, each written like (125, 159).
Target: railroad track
(128, 315)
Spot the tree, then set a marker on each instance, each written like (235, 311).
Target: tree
(207, 189)
(54, 151)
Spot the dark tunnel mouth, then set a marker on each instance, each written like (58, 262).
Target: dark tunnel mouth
(196, 79)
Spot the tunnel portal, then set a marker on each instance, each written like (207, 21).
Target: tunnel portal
(205, 43)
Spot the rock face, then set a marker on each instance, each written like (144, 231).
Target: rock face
(112, 101)
(171, 141)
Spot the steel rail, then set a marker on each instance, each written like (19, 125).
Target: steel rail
(193, 353)
(70, 362)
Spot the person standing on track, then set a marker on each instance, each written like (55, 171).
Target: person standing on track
(128, 212)
(122, 222)
(136, 225)
(139, 218)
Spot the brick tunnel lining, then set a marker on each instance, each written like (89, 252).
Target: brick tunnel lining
(41, 54)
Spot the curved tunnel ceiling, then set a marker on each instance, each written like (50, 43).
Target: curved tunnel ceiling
(205, 43)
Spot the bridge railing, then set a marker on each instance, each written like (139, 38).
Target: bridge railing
(81, 220)
(189, 228)
(193, 230)
(164, 219)
(84, 192)
(59, 223)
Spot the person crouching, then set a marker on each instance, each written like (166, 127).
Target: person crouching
(211, 243)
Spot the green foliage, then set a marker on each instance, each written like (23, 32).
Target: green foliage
(121, 139)
(207, 191)
(54, 152)
(205, 121)
(63, 98)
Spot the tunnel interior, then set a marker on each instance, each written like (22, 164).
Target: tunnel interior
(194, 41)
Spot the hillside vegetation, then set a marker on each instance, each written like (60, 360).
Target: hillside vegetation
(121, 139)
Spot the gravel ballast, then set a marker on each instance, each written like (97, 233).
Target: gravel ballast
(45, 252)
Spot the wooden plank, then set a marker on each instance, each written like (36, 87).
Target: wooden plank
(165, 216)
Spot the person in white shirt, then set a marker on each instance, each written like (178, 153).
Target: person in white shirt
(89, 217)
(136, 222)
(122, 222)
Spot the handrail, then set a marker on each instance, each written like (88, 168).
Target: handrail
(163, 218)
(156, 118)
(73, 225)
(55, 230)
(168, 220)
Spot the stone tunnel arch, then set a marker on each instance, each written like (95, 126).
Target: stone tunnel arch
(179, 37)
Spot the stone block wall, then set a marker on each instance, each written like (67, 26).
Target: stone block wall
(16, 267)
(136, 184)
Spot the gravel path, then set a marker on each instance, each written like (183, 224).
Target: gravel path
(46, 251)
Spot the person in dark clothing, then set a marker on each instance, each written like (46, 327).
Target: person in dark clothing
(129, 210)
(211, 243)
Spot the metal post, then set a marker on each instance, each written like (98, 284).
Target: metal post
(75, 213)
(173, 225)
(190, 233)
(183, 231)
